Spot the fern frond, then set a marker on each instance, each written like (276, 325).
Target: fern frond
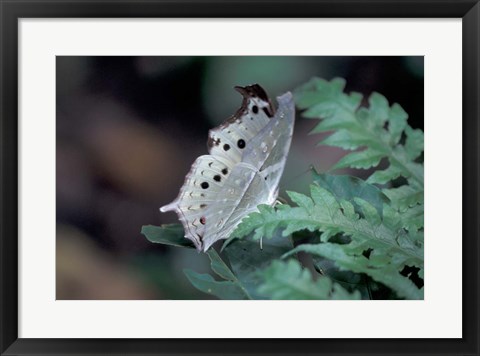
(381, 268)
(378, 129)
(230, 287)
(288, 280)
(404, 197)
(392, 245)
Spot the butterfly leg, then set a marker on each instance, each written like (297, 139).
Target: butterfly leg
(280, 201)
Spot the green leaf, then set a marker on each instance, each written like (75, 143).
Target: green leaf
(172, 235)
(345, 139)
(392, 247)
(350, 281)
(324, 197)
(234, 288)
(380, 269)
(222, 270)
(398, 122)
(379, 109)
(383, 177)
(404, 197)
(414, 143)
(301, 200)
(318, 91)
(348, 188)
(360, 159)
(288, 280)
(413, 218)
(248, 259)
(220, 289)
(378, 128)
(220, 267)
(328, 214)
(369, 211)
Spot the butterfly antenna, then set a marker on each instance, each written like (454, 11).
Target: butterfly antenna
(310, 169)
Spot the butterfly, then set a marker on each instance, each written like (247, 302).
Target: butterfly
(247, 155)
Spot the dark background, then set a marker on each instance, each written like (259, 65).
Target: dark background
(128, 129)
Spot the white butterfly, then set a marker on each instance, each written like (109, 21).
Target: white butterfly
(246, 161)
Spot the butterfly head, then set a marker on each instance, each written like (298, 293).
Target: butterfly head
(255, 99)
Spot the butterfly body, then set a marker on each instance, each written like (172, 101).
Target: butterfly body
(246, 161)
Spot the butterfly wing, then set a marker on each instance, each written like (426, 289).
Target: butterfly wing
(229, 139)
(201, 188)
(268, 150)
(255, 180)
(208, 173)
(242, 192)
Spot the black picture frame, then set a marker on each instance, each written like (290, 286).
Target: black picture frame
(13, 10)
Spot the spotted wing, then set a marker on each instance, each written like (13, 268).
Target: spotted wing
(243, 190)
(268, 150)
(255, 180)
(229, 139)
(208, 173)
(247, 157)
(199, 191)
